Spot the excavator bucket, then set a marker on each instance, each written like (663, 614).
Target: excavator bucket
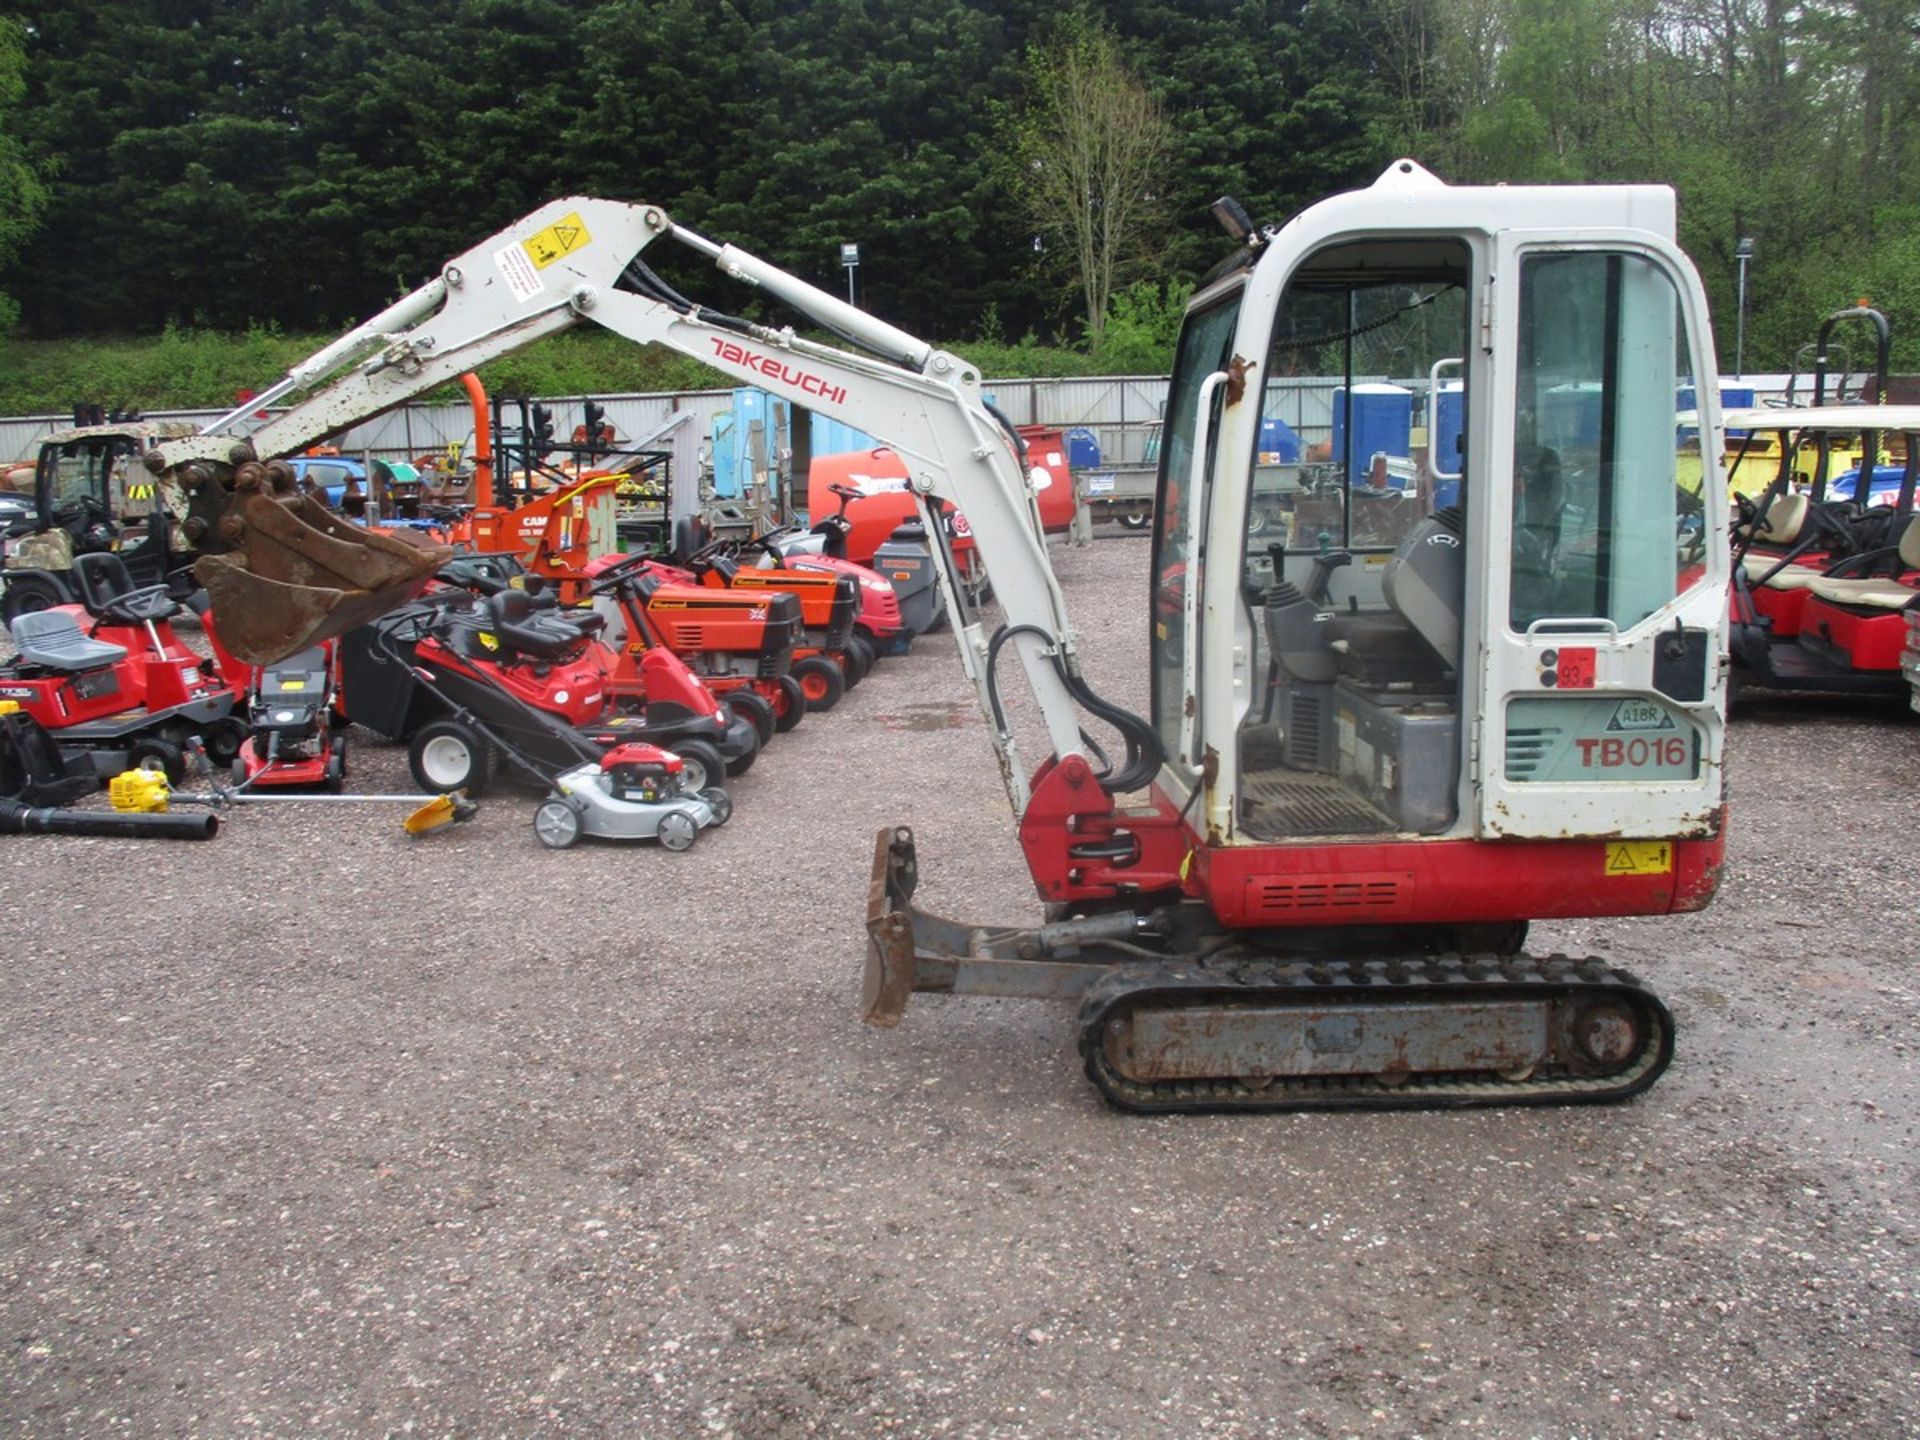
(298, 575)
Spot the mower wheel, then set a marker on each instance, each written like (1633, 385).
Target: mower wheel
(791, 708)
(759, 712)
(821, 682)
(853, 665)
(722, 804)
(677, 830)
(863, 652)
(702, 766)
(27, 595)
(557, 824)
(337, 765)
(237, 772)
(153, 753)
(743, 763)
(224, 739)
(450, 755)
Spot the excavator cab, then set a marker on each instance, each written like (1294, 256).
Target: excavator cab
(1434, 652)
(1536, 660)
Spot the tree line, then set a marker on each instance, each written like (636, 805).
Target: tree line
(296, 163)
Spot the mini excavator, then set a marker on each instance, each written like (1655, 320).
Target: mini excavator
(1383, 734)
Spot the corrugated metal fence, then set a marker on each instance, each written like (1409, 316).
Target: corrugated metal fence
(1123, 412)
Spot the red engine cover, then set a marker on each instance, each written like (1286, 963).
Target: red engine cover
(638, 752)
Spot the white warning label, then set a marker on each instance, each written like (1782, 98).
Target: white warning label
(518, 269)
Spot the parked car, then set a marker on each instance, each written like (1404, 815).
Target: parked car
(330, 477)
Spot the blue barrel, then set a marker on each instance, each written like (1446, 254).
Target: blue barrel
(1083, 450)
(1382, 424)
(1279, 443)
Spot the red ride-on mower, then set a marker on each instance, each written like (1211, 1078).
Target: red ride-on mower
(110, 679)
(781, 559)
(739, 644)
(660, 690)
(829, 659)
(1821, 608)
(902, 564)
(465, 682)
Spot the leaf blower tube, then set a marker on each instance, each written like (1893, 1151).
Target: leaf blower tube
(21, 819)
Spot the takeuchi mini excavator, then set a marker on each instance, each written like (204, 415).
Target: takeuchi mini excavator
(1381, 739)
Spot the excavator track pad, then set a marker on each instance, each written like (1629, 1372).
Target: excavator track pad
(1445, 1031)
(296, 575)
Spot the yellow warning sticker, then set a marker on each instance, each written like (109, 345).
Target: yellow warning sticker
(1639, 857)
(488, 640)
(559, 240)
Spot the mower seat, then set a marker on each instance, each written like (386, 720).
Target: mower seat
(691, 534)
(1785, 516)
(545, 636)
(53, 640)
(108, 591)
(1758, 570)
(1882, 593)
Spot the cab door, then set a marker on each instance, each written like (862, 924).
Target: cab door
(1601, 622)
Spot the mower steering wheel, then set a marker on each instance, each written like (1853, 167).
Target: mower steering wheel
(617, 572)
(81, 507)
(846, 492)
(719, 546)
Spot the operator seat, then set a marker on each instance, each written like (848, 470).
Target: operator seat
(543, 635)
(1884, 593)
(1426, 582)
(691, 534)
(53, 640)
(108, 591)
(1417, 640)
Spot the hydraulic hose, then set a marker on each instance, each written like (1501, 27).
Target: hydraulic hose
(19, 819)
(1144, 752)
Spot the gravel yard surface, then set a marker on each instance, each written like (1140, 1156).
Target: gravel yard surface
(321, 1130)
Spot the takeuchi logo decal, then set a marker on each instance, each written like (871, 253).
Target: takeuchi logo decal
(807, 384)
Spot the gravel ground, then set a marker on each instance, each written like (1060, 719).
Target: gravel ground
(320, 1130)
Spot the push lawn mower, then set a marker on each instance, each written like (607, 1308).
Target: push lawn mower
(635, 792)
(291, 739)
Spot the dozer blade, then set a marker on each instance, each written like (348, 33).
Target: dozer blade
(298, 575)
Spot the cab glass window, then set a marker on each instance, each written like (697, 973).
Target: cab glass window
(1606, 510)
(1205, 347)
(1363, 402)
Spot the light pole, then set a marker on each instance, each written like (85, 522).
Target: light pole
(850, 257)
(1743, 252)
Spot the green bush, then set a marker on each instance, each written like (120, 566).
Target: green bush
(183, 369)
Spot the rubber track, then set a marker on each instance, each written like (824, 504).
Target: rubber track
(1380, 983)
